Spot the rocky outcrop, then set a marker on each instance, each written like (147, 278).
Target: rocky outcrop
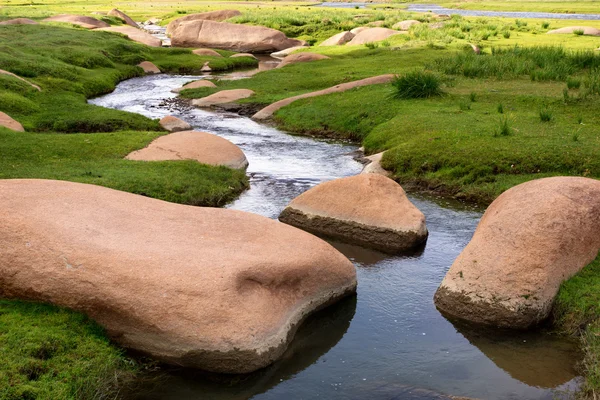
(358, 30)
(301, 58)
(269, 110)
(373, 35)
(219, 16)
(405, 25)
(174, 124)
(531, 239)
(374, 166)
(195, 85)
(122, 16)
(587, 30)
(80, 20)
(36, 87)
(222, 97)
(19, 21)
(339, 39)
(206, 52)
(236, 37)
(149, 68)
(215, 289)
(137, 35)
(368, 209)
(203, 147)
(9, 123)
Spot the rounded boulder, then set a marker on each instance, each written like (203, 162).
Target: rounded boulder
(301, 58)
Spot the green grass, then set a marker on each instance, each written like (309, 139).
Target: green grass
(577, 312)
(52, 353)
(417, 85)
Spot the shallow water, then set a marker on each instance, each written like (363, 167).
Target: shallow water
(469, 13)
(389, 342)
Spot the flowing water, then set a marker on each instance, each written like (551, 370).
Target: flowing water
(389, 342)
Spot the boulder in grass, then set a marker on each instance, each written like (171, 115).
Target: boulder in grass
(373, 35)
(122, 16)
(219, 15)
(405, 25)
(243, 55)
(8, 122)
(286, 52)
(79, 20)
(174, 124)
(215, 289)
(587, 30)
(19, 21)
(339, 39)
(301, 58)
(137, 35)
(206, 52)
(222, 97)
(358, 30)
(149, 68)
(203, 147)
(236, 37)
(531, 238)
(195, 85)
(369, 210)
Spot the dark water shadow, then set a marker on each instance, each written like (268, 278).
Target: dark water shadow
(317, 335)
(538, 359)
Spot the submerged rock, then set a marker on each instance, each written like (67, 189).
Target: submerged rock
(224, 96)
(203, 147)
(236, 37)
(368, 209)
(9, 123)
(80, 20)
(339, 39)
(215, 289)
(219, 15)
(149, 68)
(301, 58)
(531, 239)
(174, 124)
(122, 16)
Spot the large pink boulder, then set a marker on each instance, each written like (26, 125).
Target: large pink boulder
(80, 20)
(236, 37)
(531, 239)
(209, 288)
(149, 68)
(301, 58)
(122, 16)
(369, 210)
(19, 21)
(219, 16)
(7, 122)
(203, 147)
(339, 39)
(223, 97)
(373, 35)
(137, 35)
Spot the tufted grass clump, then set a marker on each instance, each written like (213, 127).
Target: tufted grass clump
(546, 114)
(417, 85)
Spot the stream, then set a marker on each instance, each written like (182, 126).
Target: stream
(388, 342)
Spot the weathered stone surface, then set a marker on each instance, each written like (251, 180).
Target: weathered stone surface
(203, 147)
(219, 16)
(374, 167)
(149, 68)
(587, 30)
(373, 35)
(269, 110)
(243, 55)
(174, 124)
(405, 25)
(206, 67)
(19, 21)
(339, 39)
(195, 85)
(3, 72)
(531, 238)
(206, 52)
(209, 288)
(80, 20)
(368, 209)
(122, 16)
(137, 35)
(286, 52)
(358, 30)
(236, 37)
(301, 58)
(224, 96)
(7, 122)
